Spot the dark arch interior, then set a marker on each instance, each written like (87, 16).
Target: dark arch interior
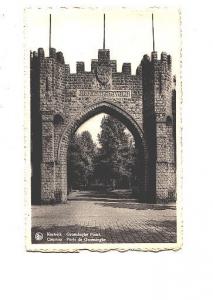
(138, 139)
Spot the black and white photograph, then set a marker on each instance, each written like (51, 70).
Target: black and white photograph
(104, 144)
(106, 149)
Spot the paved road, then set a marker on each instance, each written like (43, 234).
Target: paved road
(105, 218)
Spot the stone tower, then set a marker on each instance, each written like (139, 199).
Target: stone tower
(159, 127)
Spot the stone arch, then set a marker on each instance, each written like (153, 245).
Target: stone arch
(74, 124)
(100, 107)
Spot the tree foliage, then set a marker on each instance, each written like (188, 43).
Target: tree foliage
(81, 154)
(116, 154)
(111, 164)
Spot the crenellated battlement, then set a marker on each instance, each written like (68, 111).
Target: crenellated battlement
(80, 67)
(164, 60)
(126, 68)
(153, 78)
(40, 54)
(103, 59)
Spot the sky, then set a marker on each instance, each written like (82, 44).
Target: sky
(93, 125)
(78, 33)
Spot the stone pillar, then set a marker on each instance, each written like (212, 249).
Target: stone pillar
(145, 182)
(165, 164)
(61, 181)
(47, 163)
(61, 172)
(64, 181)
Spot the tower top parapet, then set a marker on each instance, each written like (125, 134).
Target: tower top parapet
(40, 54)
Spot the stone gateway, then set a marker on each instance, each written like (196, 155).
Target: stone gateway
(61, 101)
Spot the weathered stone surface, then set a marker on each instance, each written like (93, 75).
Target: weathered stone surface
(61, 101)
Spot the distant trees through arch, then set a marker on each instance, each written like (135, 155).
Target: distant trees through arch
(110, 162)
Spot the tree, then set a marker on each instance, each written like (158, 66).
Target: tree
(112, 164)
(115, 158)
(80, 160)
(87, 156)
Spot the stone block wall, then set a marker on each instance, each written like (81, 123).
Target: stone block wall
(60, 99)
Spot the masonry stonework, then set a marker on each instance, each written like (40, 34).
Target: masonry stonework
(61, 101)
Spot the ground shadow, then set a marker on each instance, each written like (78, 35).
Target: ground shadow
(137, 206)
(91, 195)
(117, 199)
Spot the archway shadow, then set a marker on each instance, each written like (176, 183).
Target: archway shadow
(125, 195)
(117, 199)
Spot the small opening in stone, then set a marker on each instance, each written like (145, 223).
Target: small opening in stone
(169, 121)
(58, 120)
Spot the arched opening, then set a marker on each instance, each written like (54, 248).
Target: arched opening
(104, 157)
(138, 184)
(58, 120)
(169, 121)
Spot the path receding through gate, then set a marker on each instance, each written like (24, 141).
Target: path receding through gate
(113, 217)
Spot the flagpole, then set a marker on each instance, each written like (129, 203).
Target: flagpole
(104, 34)
(153, 33)
(50, 33)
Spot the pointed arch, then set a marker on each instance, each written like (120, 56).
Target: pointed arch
(75, 123)
(100, 107)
